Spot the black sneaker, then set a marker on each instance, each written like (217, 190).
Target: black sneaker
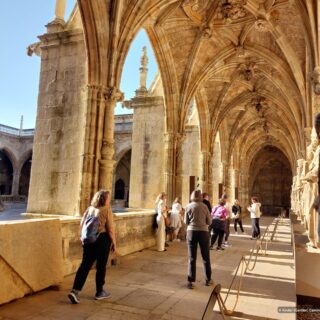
(219, 248)
(189, 285)
(209, 283)
(102, 295)
(73, 296)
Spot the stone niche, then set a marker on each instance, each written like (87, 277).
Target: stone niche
(30, 257)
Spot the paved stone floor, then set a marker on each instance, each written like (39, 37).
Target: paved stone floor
(151, 285)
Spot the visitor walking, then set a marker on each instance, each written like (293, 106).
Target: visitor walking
(175, 218)
(197, 218)
(98, 238)
(161, 221)
(219, 215)
(228, 206)
(237, 216)
(206, 201)
(255, 215)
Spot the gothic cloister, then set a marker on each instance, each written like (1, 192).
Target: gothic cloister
(231, 111)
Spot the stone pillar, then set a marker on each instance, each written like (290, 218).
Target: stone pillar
(226, 178)
(15, 183)
(205, 160)
(148, 150)
(94, 120)
(106, 163)
(178, 140)
(169, 164)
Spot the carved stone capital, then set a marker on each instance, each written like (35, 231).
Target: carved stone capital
(113, 95)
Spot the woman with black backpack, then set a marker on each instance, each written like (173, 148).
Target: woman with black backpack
(98, 238)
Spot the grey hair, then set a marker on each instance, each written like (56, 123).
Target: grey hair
(196, 196)
(99, 199)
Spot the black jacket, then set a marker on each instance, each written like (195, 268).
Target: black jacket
(208, 204)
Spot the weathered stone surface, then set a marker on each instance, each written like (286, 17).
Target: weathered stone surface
(30, 257)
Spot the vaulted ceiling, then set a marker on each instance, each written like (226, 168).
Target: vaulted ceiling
(246, 62)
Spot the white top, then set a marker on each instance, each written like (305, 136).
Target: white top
(176, 208)
(254, 210)
(162, 208)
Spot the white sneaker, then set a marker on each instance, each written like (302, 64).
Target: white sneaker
(227, 245)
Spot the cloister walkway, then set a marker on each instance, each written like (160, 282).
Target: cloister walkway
(152, 285)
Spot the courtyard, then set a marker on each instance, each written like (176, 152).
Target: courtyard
(152, 285)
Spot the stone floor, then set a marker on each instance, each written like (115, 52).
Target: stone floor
(151, 285)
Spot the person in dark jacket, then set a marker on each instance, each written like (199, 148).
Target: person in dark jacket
(206, 201)
(197, 218)
(237, 215)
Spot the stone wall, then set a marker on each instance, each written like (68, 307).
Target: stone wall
(134, 232)
(30, 257)
(58, 141)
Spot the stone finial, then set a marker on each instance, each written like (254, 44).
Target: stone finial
(144, 69)
(60, 10)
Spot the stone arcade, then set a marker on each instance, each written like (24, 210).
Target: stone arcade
(231, 111)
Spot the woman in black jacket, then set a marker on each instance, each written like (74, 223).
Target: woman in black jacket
(237, 215)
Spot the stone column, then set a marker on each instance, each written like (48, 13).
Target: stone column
(94, 119)
(205, 160)
(226, 178)
(112, 95)
(178, 143)
(15, 183)
(169, 151)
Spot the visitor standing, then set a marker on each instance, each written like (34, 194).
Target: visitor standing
(98, 238)
(228, 206)
(161, 221)
(237, 216)
(175, 219)
(255, 215)
(197, 218)
(206, 201)
(219, 215)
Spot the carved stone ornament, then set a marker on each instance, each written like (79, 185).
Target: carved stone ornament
(246, 71)
(231, 10)
(195, 10)
(113, 94)
(261, 25)
(315, 78)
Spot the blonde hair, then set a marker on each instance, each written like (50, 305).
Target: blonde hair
(196, 196)
(160, 196)
(99, 199)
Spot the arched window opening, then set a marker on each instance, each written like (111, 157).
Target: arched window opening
(6, 174)
(25, 178)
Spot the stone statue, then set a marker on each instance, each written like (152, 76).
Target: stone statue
(299, 189)
(307, 196)
(310, 193)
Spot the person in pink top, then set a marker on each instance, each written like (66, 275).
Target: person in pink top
(219, 214)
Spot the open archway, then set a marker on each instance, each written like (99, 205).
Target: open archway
(270, 179)
(6, 174)
(25, 177)
(122, 180)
